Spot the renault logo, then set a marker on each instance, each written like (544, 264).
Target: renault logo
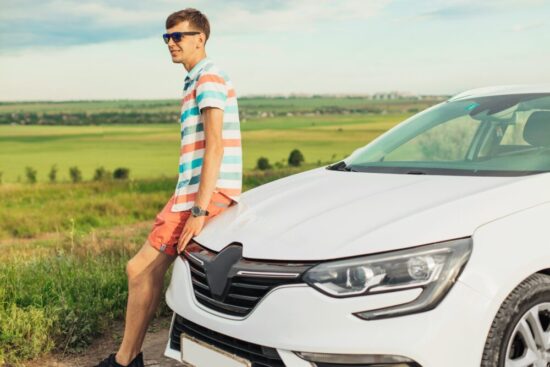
(219, 268)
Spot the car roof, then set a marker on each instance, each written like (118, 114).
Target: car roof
(502, 90)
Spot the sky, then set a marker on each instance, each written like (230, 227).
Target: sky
(113, 49)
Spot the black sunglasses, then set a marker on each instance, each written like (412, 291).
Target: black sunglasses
(177, 36)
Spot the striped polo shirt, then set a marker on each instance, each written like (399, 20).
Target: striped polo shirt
(207, 86)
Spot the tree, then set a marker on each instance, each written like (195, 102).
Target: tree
(101, 174)
(53, 174)
(296, 158)
(31, 174)
(121, 173)
(76, 175)
(263, 164)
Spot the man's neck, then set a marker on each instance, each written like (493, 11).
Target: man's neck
(191, 64)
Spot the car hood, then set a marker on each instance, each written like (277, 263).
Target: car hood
(324, 214)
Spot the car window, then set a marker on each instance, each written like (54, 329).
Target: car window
(513, 135)
(495, 135)
(448, 141)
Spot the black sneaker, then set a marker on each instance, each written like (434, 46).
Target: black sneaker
(111, 361)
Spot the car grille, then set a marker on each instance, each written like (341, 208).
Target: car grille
(258, 355)
(247, 281)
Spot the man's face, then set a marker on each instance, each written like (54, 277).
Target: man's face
(188, 47)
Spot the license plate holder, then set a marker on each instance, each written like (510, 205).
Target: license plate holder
(196, 353)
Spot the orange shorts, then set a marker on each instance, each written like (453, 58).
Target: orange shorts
(168, 225)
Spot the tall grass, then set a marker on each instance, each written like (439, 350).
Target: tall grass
(65, 299)
(30, 211)
(58, 294)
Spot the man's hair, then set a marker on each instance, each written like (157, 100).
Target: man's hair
(195, 18)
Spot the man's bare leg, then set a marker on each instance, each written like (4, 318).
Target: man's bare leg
(145, 272)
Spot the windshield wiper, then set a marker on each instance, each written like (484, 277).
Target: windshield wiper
(341, 166)
(416, 172)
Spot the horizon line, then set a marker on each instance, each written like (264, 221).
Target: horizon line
(403, 95)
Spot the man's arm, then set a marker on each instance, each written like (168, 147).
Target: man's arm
(213, 154)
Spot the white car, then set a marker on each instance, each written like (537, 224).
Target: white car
(429, 247)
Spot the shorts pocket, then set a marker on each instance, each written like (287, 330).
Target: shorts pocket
(218, 203)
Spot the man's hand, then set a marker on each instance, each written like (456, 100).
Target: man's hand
(192, 227)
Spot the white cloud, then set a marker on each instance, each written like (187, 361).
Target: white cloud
(526, 27)
(293, 15)
(461, 9)
(65, 22)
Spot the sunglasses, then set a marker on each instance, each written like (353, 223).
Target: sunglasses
(177, 36)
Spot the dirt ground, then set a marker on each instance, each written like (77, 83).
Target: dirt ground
(153, 349)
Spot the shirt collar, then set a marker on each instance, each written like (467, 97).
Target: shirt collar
(197, 69)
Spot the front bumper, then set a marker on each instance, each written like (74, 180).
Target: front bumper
(297, 318)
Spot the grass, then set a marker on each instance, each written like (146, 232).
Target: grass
(60, 291)
(63, 300)
(32, 210)
(152, 150)
(149, 151)
(44, 208)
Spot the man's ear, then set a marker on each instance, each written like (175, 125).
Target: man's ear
(202, 40)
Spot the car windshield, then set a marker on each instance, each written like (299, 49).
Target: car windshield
(497, 135)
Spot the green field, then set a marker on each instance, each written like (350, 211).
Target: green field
(152, 150)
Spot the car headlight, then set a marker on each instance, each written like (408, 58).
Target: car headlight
(434, 268)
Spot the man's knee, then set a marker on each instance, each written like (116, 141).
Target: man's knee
(148, 261)
(132, 269)
(138, 272)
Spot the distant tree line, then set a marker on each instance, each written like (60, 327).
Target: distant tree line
(113, 118)
(105, 118)
(248, 110)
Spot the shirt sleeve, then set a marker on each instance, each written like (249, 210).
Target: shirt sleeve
(211, 91)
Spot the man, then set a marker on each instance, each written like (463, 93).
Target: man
(210, 176)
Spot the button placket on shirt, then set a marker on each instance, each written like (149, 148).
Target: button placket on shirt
(187, 83)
